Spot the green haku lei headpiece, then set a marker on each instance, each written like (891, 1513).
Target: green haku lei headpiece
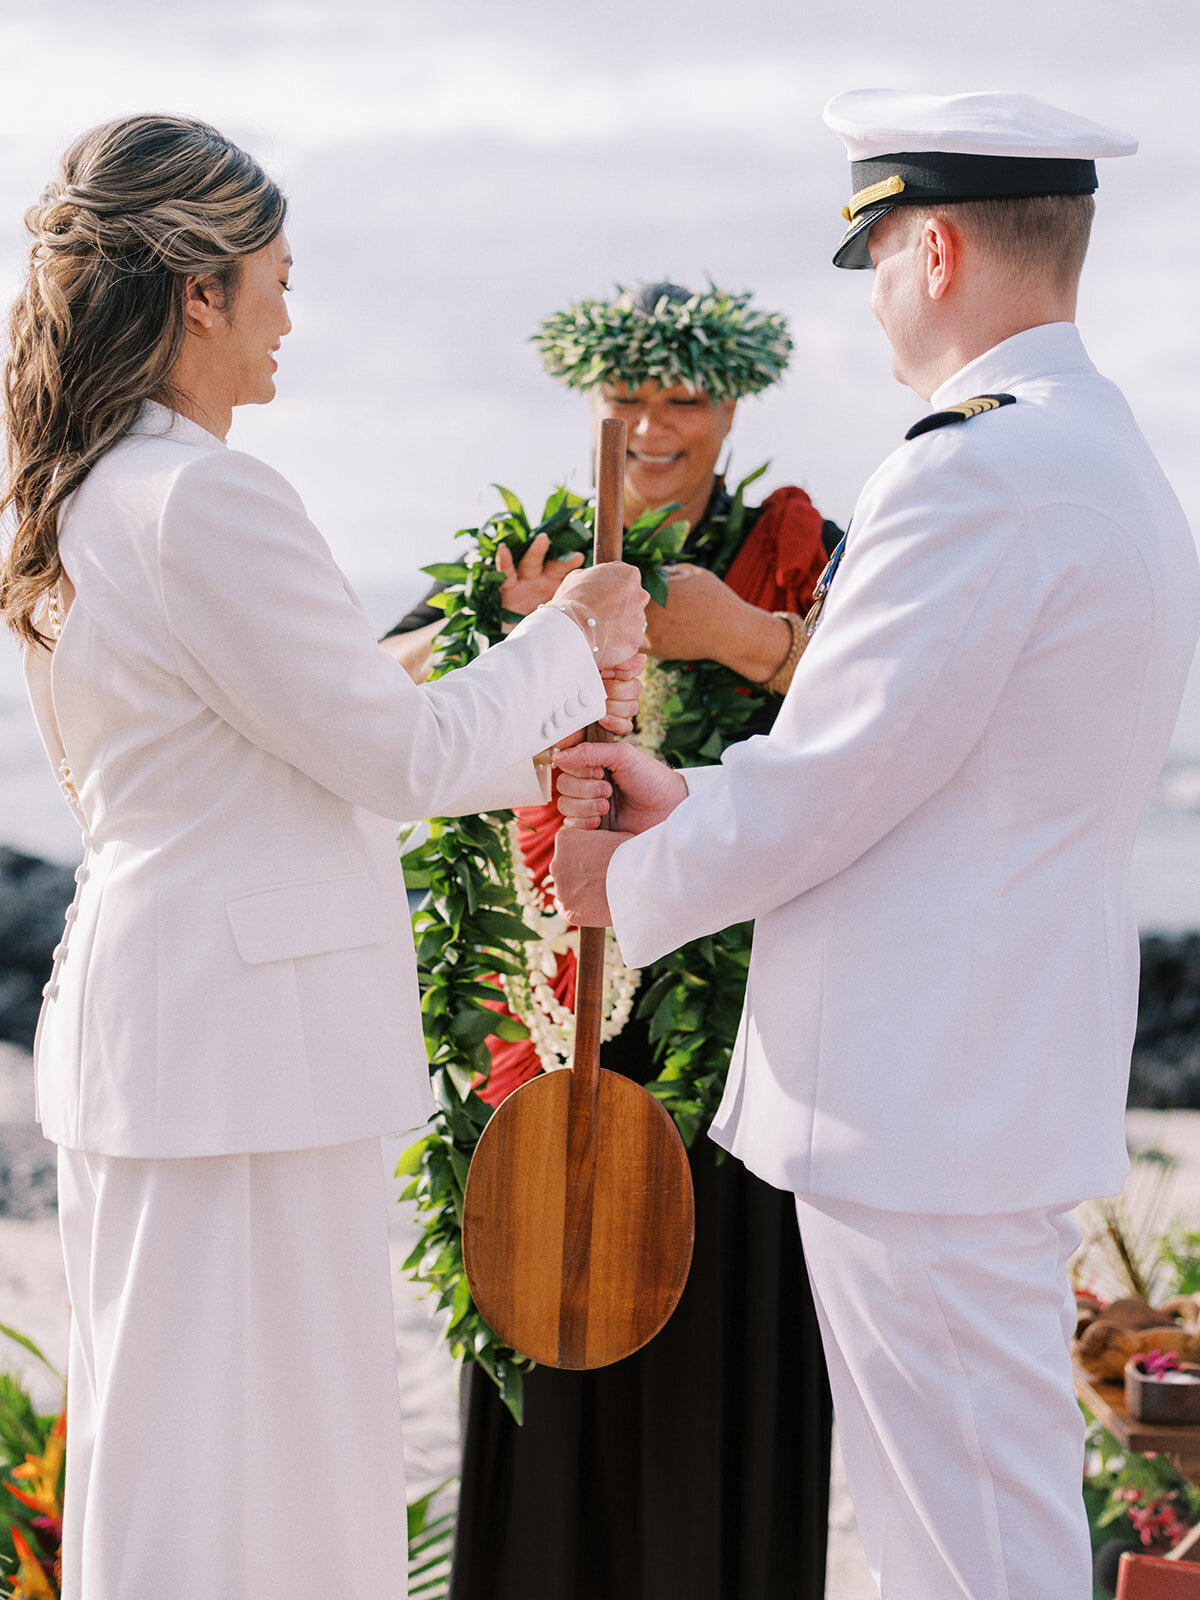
(713, 341)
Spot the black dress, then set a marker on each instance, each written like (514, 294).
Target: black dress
(698, 1468)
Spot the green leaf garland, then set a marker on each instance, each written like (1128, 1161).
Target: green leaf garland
(469, 927)
(715, 342)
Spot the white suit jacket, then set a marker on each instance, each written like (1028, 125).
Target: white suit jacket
(238, 969)
(935, 839)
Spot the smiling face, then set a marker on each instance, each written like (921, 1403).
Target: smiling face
(230, 339)
(674, 440)
(257, 323)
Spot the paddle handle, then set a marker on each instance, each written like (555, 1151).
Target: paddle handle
(610, 492)
(609, 539)
(583, 1099)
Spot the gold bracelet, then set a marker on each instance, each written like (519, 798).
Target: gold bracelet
(779, 680)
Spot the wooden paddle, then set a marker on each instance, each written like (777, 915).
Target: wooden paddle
(578, 1216)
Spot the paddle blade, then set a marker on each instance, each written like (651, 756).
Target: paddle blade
(597, 1296)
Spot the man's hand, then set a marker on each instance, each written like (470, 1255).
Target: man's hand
(703, 620)
(609, 604)
(578, 868)
(647, 791)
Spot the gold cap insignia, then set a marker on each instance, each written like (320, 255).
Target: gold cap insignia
(868, 197)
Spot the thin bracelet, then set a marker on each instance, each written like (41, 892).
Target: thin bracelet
(779, 680)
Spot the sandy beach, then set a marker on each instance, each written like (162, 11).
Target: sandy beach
(33, 1300)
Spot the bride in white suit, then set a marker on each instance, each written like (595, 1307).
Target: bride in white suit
(232, 1020)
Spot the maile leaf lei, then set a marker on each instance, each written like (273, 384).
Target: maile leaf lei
(469, 927)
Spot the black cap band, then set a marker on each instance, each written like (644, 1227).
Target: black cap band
(908, 179)
(946, 175)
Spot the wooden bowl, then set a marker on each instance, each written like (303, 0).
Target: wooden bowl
(1175, 1398)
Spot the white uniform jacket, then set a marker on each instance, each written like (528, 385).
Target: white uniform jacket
(237, 972)
(935, 839)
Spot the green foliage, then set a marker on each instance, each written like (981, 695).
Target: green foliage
(23, 1432)
(1131, 1244)
(1179, 1254)
(715, 342)
(693, 1002)
(430, 1546)
(468, 927)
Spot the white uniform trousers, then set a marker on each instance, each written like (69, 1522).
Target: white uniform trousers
(947, 1340)
(233, 1414)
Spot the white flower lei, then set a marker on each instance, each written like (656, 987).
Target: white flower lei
(531, 997)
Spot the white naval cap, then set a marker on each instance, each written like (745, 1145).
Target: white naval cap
(906, 148)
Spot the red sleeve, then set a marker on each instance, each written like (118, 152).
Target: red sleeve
(783, 556)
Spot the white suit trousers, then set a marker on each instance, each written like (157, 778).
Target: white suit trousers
(948, 1347)
(233, 1423)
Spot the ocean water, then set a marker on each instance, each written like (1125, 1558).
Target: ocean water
(1166, 866)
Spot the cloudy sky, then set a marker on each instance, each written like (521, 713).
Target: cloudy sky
(457, 169)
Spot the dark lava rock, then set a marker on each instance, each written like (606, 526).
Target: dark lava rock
(1166, 1058)
(1166, 1051)
(34, 894)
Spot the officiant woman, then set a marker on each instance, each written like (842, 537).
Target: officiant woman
(698, 1467)
(232, 1019)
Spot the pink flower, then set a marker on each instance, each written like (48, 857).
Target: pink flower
(1157, 1522)
(1155, 1362)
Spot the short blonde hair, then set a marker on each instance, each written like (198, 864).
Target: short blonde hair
(1042, 236)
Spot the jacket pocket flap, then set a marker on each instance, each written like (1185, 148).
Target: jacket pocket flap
(307, 919)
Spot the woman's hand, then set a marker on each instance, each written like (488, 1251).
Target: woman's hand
(533, 580)
(646, 790)
(608, 605)
(703, 620)
(624, 687)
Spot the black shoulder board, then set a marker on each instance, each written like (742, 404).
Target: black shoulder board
(960, 413)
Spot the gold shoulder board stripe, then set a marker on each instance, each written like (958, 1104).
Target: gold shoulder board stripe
(962, 412)
(868, 197)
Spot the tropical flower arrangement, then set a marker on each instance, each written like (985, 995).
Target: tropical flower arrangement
(1130, 1249)
(1134, 1502)
(32, 1449)
(484, 934)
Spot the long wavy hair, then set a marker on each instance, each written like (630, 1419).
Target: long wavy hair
(138, 206)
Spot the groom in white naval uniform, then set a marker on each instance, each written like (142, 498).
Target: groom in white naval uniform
(934, 842)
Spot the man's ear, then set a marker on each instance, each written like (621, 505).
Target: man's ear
(203, 304)
(941, 254)
(726, 409)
